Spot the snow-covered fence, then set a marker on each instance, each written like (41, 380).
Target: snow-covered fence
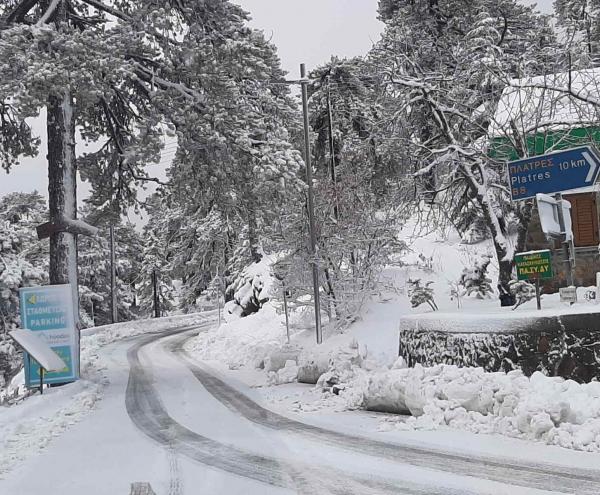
(566, 345)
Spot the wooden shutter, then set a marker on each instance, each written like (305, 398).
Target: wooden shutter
(584, 217)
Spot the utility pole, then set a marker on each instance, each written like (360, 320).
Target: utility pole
(311, 205)
(113, 278)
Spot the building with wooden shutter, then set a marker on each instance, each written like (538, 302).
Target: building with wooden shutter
(533, 119)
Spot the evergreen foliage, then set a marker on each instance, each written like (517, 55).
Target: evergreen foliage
(23, 262)
(523, 291)
(474, 278)
(421, 294)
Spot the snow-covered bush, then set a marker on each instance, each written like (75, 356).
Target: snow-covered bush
(457, 292)
(522, 290)
(252, 288)
(420, 294)
(475, 280)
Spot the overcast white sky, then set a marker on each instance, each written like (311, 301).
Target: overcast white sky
(308, 31)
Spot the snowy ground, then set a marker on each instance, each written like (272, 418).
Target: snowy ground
(29, 427)
(552, 411)
(168, 419)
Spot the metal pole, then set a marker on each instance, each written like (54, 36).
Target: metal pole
(567, 245)
(311, 206)
(113, 278)
(537, 293)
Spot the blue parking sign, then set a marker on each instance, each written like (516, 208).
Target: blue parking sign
(48, 311)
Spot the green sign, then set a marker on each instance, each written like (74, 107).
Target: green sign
(534, 264)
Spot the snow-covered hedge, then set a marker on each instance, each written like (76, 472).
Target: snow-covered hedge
(565, 345)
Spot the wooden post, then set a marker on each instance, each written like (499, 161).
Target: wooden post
(41, 379)
(156, 297)
(537, 293)
(285, 307)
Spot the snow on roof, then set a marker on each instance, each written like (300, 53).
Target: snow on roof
(542, 103)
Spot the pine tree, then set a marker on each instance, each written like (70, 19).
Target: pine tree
(22, 263)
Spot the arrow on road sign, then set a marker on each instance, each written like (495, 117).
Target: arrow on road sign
(593, 166)
(554, 172)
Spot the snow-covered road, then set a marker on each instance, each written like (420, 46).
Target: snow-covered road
(171, 421)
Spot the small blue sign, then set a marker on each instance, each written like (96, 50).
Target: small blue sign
(48, 311)
(553, 173)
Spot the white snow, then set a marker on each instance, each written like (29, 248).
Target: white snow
(28, 428)
(543, 101)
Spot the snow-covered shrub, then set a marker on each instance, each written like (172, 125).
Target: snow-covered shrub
(522, 290)
(457, 292)
(420, 294)
(475, 280)
(252, 288)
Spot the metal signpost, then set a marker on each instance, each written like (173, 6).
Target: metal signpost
(554, 172)
(48, 311)
(534, 265)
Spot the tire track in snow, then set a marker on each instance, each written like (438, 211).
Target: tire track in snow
(539, 476)
(147, 412)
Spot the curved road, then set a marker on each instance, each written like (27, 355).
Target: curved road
(445, 473)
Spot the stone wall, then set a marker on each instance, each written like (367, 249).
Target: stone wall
(565, 345)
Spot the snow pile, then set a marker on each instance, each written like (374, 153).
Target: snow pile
(287, 374)
(548, 409)
(244, 341)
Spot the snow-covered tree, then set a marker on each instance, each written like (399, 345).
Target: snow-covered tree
(23, 262)
(94, 270)
(475, 280)
(445, 63)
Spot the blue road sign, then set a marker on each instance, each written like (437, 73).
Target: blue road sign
(554, 172)
(48, 311)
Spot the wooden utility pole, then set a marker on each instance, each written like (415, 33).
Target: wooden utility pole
(113, 278)
(311, 205)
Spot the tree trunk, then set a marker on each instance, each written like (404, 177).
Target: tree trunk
(62, 184)
(62, 178)
(253, 236)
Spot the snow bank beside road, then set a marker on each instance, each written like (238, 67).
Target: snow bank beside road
(551, 410)
(243, 341)
(28, 427)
